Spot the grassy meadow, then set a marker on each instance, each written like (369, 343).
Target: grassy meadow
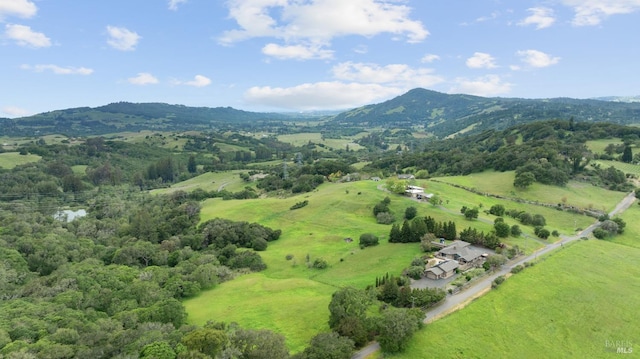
(9, 160)
(627, 168)
(578, 194)
(301, 139)
(336, 211)
(567, 306)
(209, 181)
(598, 146)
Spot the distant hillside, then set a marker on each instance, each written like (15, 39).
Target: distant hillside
(444, 114)
(125, 116)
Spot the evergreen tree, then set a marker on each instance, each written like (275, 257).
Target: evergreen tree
(395, 236)
(405, 233)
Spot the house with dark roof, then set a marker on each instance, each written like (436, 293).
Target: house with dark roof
(462, 252)
(442, 270)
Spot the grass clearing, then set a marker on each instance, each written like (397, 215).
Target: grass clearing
(571, 315)
(630, 236)
(598, 146)
(209, 181)
(301, 139)
(578, 194)
(10, 160)
(624, 167)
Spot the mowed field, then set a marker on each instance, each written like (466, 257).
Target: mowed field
(9, 160)
(292, 299)
(572, 304)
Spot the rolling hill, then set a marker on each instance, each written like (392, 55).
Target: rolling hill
(437, 113)
(444, 115)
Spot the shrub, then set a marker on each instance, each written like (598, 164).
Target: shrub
(417, 262)
(368, 240)
(517, 269)
(289, 257)
(385, 218)
(320, 263)
(414, 272)
(496, 282)
(299, 205)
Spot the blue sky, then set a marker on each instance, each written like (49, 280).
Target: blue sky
(300, 55)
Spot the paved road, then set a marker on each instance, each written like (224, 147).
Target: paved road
(460, 299)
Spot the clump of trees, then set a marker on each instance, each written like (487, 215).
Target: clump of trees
(413, 231)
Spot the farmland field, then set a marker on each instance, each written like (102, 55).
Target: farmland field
(539, 313)
(11, 159)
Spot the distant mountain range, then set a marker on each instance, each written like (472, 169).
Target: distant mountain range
(445, 115)
(434, 112)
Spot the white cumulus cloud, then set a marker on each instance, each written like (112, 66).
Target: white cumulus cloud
(24, 36)
(397, 75)
(58, 70)
(541, 17)
(481, 60)
(429, 58)
(593, 12)
(199, 81)
(20, 8)
(173, 4)
(320, 95)
(121, 38)
(319, 21)
(296, 52)
(354, 84)
(13, 111)
(535, 58)
(143, 78)
(490, 85)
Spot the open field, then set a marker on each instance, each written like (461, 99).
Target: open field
(598, 146)
(9, 160)
(300, 139)
(624, 167)
(210, 181)
(630, 236)
(335, 212)
(539, 313)
(578, 194)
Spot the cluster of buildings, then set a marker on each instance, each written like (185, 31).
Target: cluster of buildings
(458, 256)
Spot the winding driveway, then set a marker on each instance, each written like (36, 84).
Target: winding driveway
(461, 299)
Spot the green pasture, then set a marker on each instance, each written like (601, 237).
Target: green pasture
(630, 236)
(295, 307)
(578, 194)
(301, 139)
(336, 211)
(454, 198)
(569, 305)
(598, 146)
(624, 167)
(10, 160)
(210, 181)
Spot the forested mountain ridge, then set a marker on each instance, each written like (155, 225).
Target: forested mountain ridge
(437, 113)
(444, 115)
(126, 116)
